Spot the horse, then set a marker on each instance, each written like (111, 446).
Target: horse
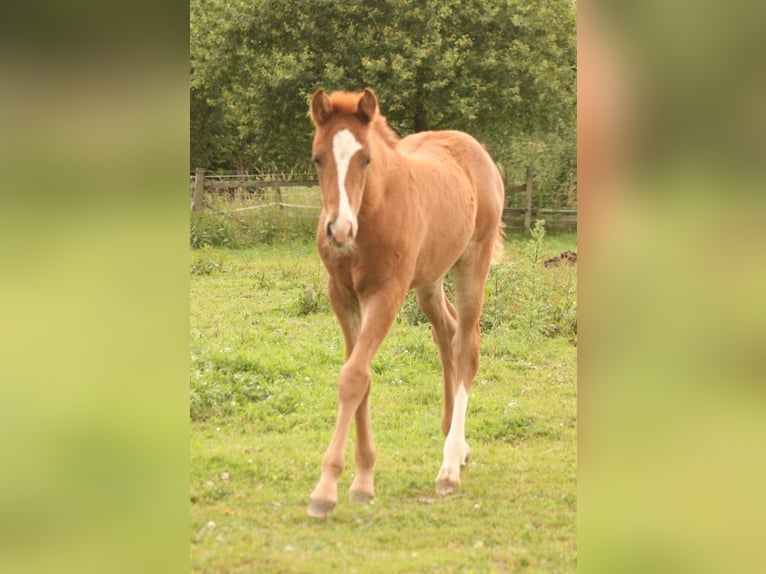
(399, 214)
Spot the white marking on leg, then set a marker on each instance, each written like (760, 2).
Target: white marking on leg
(455, 443)
(344, 146)
(455, 447)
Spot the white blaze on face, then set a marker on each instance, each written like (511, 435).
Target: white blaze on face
(344, 146)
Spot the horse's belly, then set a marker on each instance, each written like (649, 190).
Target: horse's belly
(439, 252)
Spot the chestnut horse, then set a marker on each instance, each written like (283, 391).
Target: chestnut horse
(398, 214)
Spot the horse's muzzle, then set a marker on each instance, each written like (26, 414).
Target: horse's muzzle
(340, 234)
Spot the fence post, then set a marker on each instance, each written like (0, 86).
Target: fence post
(198, 201)
(528, 204)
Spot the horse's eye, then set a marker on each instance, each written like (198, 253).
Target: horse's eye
(366, 160)
(317, 160)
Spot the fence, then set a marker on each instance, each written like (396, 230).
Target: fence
(256, 192)
(523, 216)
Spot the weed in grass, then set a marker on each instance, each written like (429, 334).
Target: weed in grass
(268, 231)
(264, 281)
(534, 300)
(311, 301)
(206, 261)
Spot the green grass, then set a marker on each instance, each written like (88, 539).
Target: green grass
(265, 355)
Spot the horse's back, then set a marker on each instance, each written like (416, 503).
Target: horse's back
(459, 157)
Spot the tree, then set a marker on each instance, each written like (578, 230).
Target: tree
(498, 69)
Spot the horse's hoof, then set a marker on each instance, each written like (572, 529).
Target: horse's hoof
(446, 486)
(320, 508)
(360, 496)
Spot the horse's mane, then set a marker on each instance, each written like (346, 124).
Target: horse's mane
(348, 103)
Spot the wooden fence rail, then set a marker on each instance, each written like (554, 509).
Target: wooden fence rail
(559, 218)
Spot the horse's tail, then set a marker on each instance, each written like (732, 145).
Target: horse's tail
(497, 250)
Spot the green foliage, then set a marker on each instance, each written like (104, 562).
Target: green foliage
(501, 71)
(312, 301)
(240, 219)
(213, 228)
(522, 293)
(553, 159)
(546, 297)
(411, 312)
(206, 261)
(223, 384)
(209, 228)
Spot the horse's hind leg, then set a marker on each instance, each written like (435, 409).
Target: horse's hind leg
(470, 275)
(443, 318)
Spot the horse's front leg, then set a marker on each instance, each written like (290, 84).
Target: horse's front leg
(377, 314)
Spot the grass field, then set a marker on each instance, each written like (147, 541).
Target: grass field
(265, 355)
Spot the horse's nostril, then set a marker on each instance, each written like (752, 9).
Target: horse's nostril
(350, 231)
(329, 229)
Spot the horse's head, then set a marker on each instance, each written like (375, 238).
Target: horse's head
(341, 154)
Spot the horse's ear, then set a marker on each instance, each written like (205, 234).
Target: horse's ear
(320, 107)
(368, 106)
